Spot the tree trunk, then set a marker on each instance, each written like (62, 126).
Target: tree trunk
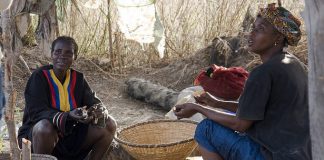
(11, 45)
(10, 120)
(47, 29)
(112, 56)
(314, 20)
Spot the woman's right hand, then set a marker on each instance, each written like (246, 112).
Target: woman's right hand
(185, 110)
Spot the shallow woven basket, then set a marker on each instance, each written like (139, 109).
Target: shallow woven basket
(42, 157)
(6, 156)
(159, 139)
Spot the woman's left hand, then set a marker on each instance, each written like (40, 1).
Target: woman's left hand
(185, 110)
(99, 114)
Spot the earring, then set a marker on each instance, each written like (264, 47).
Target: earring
(276, 44)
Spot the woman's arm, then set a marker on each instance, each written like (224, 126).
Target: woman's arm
(208, 99)
(227, 120)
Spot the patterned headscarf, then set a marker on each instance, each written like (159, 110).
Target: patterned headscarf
(283, 21)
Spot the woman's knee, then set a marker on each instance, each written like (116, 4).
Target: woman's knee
(43, 128)
(208, 129)
(210, 125)
(111, 125)
(108, 131)
(206, 124)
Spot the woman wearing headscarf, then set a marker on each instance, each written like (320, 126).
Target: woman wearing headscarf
(271, 120)
(63, 116)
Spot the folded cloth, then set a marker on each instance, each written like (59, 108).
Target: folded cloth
(222, 82)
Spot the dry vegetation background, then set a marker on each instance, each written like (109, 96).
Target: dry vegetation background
(189, 25)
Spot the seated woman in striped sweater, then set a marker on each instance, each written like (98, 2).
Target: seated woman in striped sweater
(57, 117)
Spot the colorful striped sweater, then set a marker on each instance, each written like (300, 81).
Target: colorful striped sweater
(47, 98)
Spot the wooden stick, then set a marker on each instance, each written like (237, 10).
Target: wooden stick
(181, 76)
(7, 21)
(26, 149)
(112, 59)
(100, 69)
(117, 40)
(25, 64)
(116, 74)
(10, 121)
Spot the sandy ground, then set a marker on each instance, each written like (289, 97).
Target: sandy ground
(123, 108)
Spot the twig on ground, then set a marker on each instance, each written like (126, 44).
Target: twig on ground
(180, 78)
(25, 64)
(100, 69)
(117, 74)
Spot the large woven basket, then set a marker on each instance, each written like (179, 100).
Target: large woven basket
(159, 139)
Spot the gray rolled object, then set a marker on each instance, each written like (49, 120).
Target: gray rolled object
(152, 93)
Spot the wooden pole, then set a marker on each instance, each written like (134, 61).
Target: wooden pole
(9, 47)
(112, 57)
(118, 52)
(10, 121)
(314, 20)
(26, 149)
(9, 60)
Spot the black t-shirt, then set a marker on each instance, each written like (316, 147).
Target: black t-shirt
(276, 98)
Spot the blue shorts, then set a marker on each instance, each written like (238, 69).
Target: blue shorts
(227, 143)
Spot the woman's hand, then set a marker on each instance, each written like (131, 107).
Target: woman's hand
(185, 110)
(80, 115)
(206, 99)
(98, 111)
(99, 114)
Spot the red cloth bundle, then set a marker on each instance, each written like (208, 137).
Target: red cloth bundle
(226, 83)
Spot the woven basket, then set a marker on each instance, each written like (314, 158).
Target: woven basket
(42, 157)
(159, 139)
(7, 156)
